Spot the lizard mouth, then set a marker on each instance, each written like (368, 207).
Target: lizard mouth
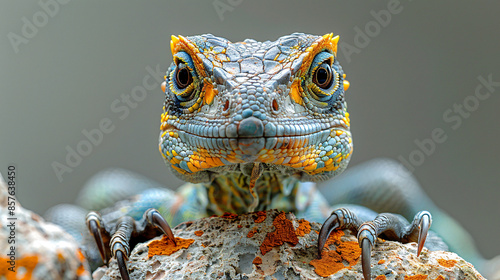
(255, 128)
(304, 148)
(255, 145)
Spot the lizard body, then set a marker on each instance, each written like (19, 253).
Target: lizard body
(249, 121)
(249, 125)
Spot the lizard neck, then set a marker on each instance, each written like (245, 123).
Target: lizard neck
(233, 193)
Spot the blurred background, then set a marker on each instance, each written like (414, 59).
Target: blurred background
(68, 66)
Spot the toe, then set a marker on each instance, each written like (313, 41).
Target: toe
(366, 254)
(154, 217)
(122, 265)
(330, 224)
(94, 226)
(424, 225)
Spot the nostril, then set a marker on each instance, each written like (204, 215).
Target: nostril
(275, 105)
(226, 105)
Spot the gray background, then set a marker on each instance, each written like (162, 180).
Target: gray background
(425, 60)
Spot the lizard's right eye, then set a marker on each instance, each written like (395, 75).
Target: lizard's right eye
(182, 79)
(183, 76)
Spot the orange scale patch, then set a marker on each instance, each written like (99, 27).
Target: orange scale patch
(296, 92)
(333, 260)
(327, 41)
(380, 277)
(210, 93)
(166, 247)
(198, 233)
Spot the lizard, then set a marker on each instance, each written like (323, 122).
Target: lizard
(249, 125)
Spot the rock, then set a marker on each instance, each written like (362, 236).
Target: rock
(275, 245)
(31, 248)
(71, 218)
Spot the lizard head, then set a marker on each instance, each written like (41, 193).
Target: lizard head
(230, 105)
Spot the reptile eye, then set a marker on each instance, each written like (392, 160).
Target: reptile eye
(183, 76)
(323, 76)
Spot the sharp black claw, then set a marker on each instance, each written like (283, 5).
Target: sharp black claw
(122, 265)
(330, 224)
(366, 254)
(160, 222)
(425, 224)
(96, 233)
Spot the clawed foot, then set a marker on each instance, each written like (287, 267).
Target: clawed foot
(118, 239)
(390, 226)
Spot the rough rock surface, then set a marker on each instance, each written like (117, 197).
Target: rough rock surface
(275, 245)
(40, 250)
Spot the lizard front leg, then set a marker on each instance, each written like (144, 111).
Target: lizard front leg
(384, 185)
(125, 231)
(391, 226)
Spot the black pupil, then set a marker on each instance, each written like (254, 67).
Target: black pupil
(322, 76)
(183, 77)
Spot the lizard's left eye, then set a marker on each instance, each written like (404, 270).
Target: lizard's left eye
(323, 80)
(323, 76)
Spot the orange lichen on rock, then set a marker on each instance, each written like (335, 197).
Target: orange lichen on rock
(447, 263)
(257, 260)
(261, 216)
(416, 277)
(440, 277)
(330, 263)
(81, 269)
(252, 232)
(334, 238)
(166, 247)
(228, 215)
(333, 260)
(381, 262)
(304, 228)
(28, 262)
(380, 277)
(284, 232)
(60, 256)
(198, 233)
